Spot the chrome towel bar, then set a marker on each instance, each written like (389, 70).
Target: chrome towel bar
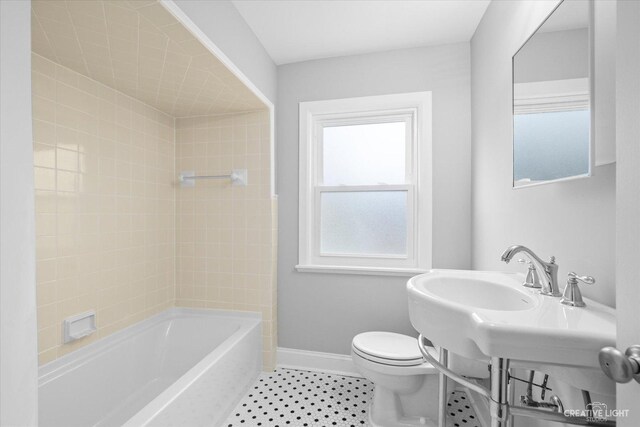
(237, 177)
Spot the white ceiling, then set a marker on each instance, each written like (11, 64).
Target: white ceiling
(297, 30)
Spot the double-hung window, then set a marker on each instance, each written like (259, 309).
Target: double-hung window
(365, 184)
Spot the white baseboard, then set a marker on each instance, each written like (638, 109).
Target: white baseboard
(340, 364)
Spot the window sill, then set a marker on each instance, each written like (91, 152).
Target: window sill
(373, 271)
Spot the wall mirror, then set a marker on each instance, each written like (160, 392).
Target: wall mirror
(553, 117)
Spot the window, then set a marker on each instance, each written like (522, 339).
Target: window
(365, 184)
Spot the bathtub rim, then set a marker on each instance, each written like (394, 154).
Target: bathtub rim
(70, 361)
(148, 413)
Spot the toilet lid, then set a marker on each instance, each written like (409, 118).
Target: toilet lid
(388, 348)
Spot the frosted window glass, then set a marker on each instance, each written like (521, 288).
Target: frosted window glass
(366, 223)
(369, 154)
(550, 146)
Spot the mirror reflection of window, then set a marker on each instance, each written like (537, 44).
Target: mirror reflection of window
(550, 146)
(551, 99)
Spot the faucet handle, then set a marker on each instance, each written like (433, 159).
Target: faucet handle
(532, 280)
(584, 279)
(572, 295)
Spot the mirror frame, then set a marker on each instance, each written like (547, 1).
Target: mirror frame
(592, 104)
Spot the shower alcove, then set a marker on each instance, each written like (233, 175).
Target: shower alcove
(125, 97)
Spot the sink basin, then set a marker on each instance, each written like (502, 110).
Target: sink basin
(472, 292)
(482, 314)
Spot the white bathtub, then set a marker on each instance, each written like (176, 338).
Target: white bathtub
(182, 367)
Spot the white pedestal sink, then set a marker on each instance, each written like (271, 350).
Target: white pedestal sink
(482, 314)
(487, 315)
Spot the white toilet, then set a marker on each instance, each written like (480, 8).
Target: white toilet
(406, 387)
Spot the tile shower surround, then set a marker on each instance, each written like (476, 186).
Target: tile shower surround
(226, 234)
(105, 221)
(138, 48)
(107, 212)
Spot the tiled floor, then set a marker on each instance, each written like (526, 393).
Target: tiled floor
(294, 398)
(460, 413)
(288, 397)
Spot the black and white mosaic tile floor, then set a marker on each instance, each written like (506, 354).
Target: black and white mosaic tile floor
(460, 412)
(288, 397)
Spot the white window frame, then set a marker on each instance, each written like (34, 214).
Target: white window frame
(551, 96)
(415, 110)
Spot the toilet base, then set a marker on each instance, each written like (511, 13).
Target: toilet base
(392, 409)
(405, 422)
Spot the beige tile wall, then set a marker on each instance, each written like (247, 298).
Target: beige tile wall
(115, 234)
(225, 234)
(105, 205)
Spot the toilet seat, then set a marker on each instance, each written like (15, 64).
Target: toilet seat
(387, 348)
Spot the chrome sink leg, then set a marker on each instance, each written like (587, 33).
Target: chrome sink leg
(499, 384)
(511, 395)
(442, 389)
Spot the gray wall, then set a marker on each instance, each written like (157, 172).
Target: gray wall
(575, 221)
(18, 352)
(224, 25)
(553, 56)
(322, 312)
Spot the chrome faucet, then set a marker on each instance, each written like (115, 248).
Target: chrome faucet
(548, 270)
